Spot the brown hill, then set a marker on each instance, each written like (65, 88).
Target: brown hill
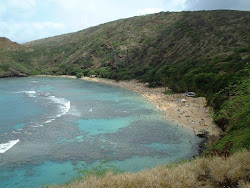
(7, 44)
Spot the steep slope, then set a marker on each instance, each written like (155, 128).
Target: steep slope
(137, 44)
(12, 60)
(206, 51)
(8, 44)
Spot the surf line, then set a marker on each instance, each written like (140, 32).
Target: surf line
(6, 146)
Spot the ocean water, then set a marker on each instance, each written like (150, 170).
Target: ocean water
(50, 128)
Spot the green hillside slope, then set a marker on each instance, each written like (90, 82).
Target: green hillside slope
(13, 61)
(206, 51)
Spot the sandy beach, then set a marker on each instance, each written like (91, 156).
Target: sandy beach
(193, 114)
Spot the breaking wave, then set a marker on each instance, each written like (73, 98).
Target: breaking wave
(6, 146)
(64, 105)
(29, 93)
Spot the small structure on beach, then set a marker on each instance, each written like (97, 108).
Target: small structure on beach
(183, 100)
(92, 76)
(190, 94)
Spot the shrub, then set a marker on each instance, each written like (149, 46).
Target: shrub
(79, 75)
(34, 72)
(5, 66)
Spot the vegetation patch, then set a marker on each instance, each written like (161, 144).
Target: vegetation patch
(169, 92)
(214, 171)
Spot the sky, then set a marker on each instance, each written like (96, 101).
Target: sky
(27, 20)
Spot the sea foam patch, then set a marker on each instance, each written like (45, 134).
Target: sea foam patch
(63, 103)
(6, 146)
(29, 93)
(49, 121)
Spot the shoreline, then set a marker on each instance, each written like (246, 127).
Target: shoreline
(193, 114)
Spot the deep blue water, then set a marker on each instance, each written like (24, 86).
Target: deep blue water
(62, 125)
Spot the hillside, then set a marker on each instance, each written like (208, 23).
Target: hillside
(12, 60)
(206, 51)
(130, 47)
(8, 44)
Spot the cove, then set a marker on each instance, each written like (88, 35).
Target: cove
(64, 125)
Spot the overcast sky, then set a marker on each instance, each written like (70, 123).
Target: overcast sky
(26, 20)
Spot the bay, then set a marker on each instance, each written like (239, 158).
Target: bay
(65, 125)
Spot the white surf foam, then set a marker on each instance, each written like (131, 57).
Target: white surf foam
(63, 103)
(6, 146)
(49, 121)
(35, 126)
(29, 93)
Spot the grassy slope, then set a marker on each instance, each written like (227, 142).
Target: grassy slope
(13, 59)
(234, 115)
(139, 44)
(201, 172)
(207, 52)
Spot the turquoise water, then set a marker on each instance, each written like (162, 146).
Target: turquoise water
(100, 126)
(52, 127)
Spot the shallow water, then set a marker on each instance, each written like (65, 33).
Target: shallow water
(64, 125)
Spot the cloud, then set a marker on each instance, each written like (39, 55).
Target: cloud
(25, 20)
(217, 4)
(148, 11)
(175, 5)
(74, 15)
(24, 4)
(27, 31)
